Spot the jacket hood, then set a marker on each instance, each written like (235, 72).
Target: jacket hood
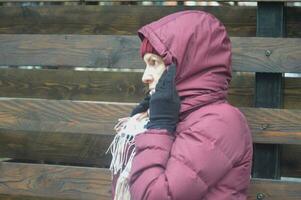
(198, 44)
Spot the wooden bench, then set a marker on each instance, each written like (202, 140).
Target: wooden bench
(56, 119)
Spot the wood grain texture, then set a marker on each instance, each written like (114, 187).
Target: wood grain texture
(143, 0)
(65, 131)
(72, 85)
(290, 160)
(38, 181)
(252, 54)
(80, 132)
(49, 182)
(11, 1)
(274, 189)
(275, 126)
(118, 86)
(249, 53)
(107, 86)
(115, 20)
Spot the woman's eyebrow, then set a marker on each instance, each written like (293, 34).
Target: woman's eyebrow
(152, 58)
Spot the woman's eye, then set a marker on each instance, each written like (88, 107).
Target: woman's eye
(153, 62)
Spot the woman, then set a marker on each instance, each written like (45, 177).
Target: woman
(188, 143)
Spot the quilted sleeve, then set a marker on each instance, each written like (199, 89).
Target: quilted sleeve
(186, 167)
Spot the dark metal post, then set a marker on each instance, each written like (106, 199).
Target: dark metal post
(269, 88)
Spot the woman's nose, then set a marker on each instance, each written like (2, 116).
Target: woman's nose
(147, 77)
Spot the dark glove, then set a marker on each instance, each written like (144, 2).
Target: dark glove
(142, 107)
(165, 103)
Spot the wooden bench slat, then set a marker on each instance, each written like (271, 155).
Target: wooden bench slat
(274, 189)
(122, 52)
(282, 126)
(40, 181)
(240, 21)
(117, 86)
(72, 85)
(142, 0)
(114, 20)
(80, 132)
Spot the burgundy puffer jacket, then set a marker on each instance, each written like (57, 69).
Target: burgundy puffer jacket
(210, 154)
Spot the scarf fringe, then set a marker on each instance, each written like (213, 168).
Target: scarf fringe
(122, 186)
(123, 151)
(120, 148)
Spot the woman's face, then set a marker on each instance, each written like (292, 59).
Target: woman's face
(153, 71)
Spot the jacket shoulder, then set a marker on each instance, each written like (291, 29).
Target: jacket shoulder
(223, 126)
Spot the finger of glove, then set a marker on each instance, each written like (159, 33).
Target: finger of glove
(161, 82)
(166, 85)
(170, 80)
(142, 107)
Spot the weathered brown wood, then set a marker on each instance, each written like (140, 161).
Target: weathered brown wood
(144, 0)
(256, 54)
(104, 86)
(80, 132)
(65, 131)
(22, 197)
(72, 85)
(48, 182)
(280, 126)
(293, 18)
(114, 20)
(274, 189)
(249, 53)
(275, 126)
(241, 90)
(39, 181)
(290, 160)
(239, 21)
(10, 1)
(292, 93)
(117, 86)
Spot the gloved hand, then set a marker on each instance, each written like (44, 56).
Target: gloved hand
(142, 107)
(165, 103)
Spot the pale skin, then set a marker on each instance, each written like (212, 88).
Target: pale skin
(153, 70)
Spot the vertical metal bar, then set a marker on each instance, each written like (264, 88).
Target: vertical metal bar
(269, 88)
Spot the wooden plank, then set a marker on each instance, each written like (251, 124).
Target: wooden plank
(280, 126)
(271, 22)
(11, 1)
(249, 54)
(265, 54)
(240, 21)
(34, 182)
(65, 132)
(72, 85)
(292, 93)
(290, 160)
(106, 86)
(114, 20)
(80, 132)
(265, 189)
(118, 86)
(293, 18)
(39, 181)
(143, 0)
